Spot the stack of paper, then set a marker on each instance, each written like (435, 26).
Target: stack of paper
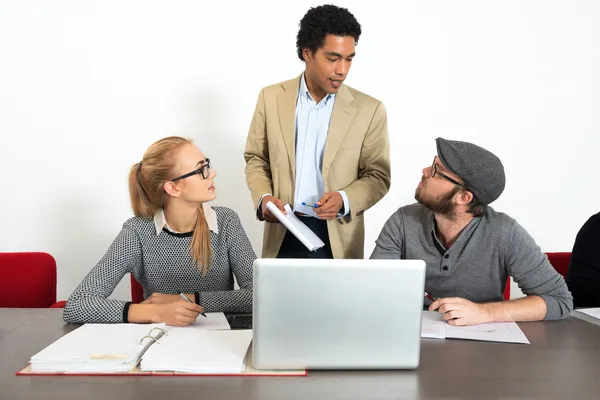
(592, 312)
(297, 227)
(114, 348)
(199, 351)
(434, 327)
(96, 348)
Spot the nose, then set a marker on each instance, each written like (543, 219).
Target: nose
(212, 174)
(342, 68)
(427, 171)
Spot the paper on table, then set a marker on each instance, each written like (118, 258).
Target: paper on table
(592, 312)
(297, 227)
(508, 332)
(213, 321)
(434, 327)
(96, 347)
(199, 351)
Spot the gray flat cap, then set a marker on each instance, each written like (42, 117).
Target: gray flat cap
(482, 171)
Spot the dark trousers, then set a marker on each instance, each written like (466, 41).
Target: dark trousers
(293, 248)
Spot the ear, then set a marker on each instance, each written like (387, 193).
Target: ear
(171, 189)
(464, 197)
(307, 54)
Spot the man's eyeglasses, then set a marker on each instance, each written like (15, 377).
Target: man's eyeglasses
(435, 171)
(204, 171)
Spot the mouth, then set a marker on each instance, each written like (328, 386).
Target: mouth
(212, 188)
(336, 83)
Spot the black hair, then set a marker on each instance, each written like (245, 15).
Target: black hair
(325, 20)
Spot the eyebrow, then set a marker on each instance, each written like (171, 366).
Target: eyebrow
(334, 54)
(201, 162)
(441, 166)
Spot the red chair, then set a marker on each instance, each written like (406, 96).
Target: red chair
(137, 291)
(560, 262)
(507, 289)
(28, 280)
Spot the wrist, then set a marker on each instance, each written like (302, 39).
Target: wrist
(489, 312)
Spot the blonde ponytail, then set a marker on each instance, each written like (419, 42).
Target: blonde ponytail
(147, 195)
(200, 245)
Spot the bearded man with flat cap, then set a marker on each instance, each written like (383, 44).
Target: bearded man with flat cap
(469, 248)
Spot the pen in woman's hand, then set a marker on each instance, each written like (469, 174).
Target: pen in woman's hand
(189, 301)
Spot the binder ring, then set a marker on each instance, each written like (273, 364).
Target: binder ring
(160, 329)
(148, 336)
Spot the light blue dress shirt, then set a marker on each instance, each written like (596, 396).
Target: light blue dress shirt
(312, 125)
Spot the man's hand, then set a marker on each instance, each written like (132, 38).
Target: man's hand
(459, 312)
(161, 298)
(330, 205)
(267, 215)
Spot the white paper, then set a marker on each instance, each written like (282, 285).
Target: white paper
(297, 227)
(199, 351)
(213, 321)
(96, 348)
(434, 327)
(592, 312)
(508, 332)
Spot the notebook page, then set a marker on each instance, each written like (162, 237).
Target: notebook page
(213, 321)
(508, 332)
(592, 312)
(433, 325)
(200, 351)
(97, 348)
(98, 341)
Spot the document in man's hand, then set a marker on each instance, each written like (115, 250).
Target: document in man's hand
(297, 227)
(434, 327)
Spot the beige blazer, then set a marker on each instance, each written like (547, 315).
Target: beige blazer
(356, 160)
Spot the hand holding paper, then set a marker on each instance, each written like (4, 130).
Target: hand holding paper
(297, 227)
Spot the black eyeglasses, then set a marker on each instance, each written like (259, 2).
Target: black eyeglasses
(435, 171)
(204, 171)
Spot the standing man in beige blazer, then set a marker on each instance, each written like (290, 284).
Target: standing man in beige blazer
(319, 145)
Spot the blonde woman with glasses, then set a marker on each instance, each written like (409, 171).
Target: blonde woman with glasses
(176, 244)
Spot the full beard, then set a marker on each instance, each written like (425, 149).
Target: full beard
(441, 205)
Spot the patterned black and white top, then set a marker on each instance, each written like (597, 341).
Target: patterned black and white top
(163, 263)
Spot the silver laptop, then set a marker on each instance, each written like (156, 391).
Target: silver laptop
(337, 314)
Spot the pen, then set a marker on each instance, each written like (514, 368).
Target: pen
(429, 296)
(189, 301)
(310, 205)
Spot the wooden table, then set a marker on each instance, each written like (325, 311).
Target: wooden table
(562, 362)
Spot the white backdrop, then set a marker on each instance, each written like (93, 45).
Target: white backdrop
(87, 86)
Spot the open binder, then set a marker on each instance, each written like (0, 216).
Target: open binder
(154, 349)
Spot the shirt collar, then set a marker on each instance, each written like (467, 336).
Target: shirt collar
(305, 94)
(160, 221)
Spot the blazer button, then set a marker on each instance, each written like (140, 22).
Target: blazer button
(445, 268)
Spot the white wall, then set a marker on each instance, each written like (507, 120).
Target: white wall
(87, 86)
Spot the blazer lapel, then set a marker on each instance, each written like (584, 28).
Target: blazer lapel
(286, 108)
(341, 118)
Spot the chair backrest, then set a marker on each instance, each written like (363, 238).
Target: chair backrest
(507, 289)
(137, 291)
(27, 280)
(560, 262)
